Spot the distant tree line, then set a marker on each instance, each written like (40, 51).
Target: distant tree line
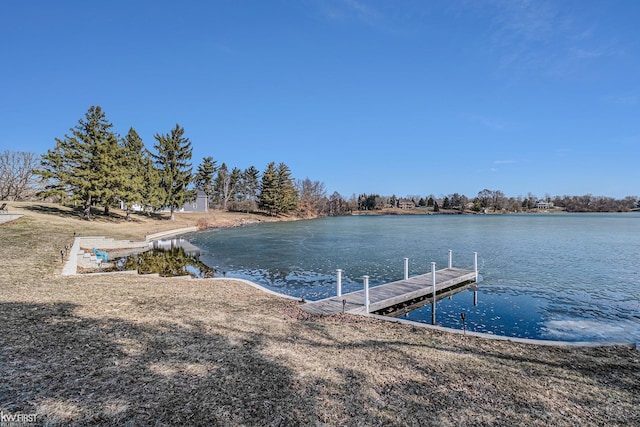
(589, 203)
(95, 166)
(485, 201)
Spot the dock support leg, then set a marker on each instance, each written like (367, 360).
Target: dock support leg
(433, 293)
(450, 258)
(339, 282)
(366, 293)
(406, 268)
(475, 264)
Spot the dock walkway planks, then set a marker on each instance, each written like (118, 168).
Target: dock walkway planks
(393, 293)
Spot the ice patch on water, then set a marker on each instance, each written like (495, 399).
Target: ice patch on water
(591, 330)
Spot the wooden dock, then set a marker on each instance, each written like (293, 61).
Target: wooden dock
(413, 291)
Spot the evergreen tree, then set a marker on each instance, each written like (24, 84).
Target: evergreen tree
(251, 183)
(222, 186)
(84, 165)
(436, 208)
(362, 202)
(204, 176)
(174, 163)
(269, 190)
(235, 182)
(446, 204)
(152, 192)
(133, 165)
(287, 193)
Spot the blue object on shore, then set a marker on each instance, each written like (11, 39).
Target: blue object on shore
(101, 254)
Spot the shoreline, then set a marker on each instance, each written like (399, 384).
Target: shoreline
(237, 223)
(483, 335)
(139, 350)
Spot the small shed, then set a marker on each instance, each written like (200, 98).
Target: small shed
(199, 204)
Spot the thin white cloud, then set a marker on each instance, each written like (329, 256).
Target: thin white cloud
(624, 100)
(340, 10)
(494, 123)
(541, 37)
(362, 10)
(526, 20)
(503, 162)
(389, 17)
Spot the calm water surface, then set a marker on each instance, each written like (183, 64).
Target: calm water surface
(568, 277)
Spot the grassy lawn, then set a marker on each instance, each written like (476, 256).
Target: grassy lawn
(135, 350)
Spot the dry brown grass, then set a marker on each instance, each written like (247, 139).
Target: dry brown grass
(130, 350)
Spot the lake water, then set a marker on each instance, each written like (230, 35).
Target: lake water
(572, 277)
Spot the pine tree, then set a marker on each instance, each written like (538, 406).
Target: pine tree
(222, 186)
(269, 190)
(174, 163)
(84, 165)
(204, 176)
(235, 182)
(251, 183)
(133, 164)
(287, 193)
(152, 192)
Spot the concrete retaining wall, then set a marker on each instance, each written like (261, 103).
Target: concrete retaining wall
(160, 235)
(71, 267)
(100, 242)
(9, 217)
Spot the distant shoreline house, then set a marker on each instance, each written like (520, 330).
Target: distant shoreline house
(541, 204)
(406, 204)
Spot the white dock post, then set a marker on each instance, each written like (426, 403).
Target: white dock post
(406, 268)
(450, 258)
(366, 293)
(433, 284)
(475, 264)
(339, 283)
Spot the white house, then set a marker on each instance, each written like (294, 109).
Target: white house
(541, 204)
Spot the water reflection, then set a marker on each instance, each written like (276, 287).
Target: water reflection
(167, 263)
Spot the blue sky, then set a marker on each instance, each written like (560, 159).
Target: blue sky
(388, 97)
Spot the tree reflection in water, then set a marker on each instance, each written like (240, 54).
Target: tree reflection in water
(166, 263)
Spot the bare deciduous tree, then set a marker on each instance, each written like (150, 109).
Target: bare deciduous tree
(16, 174)
(312, 196)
